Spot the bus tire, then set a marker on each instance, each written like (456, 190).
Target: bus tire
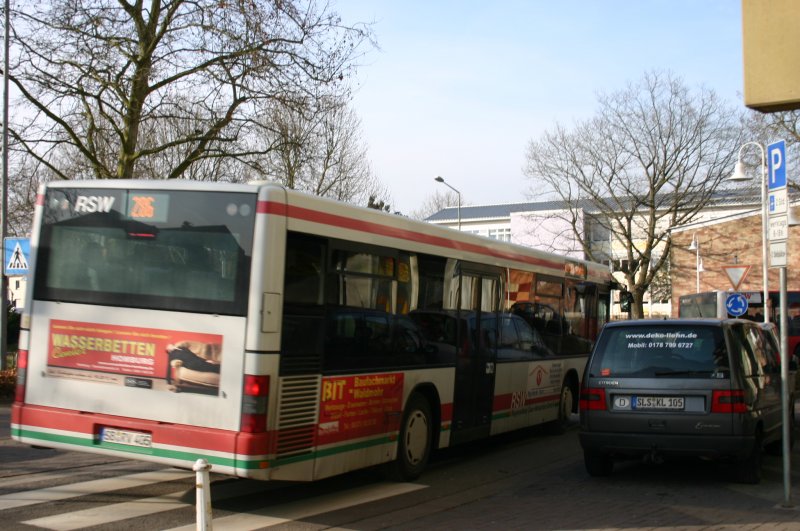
(566, 404)
(415, 441)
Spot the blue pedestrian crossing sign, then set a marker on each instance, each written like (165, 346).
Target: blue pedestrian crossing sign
(16, 256)
(736, 304)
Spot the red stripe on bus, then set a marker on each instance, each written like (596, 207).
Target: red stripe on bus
(544, 398)
(39, 199)
(335, 220)
(503, 402)
(271, 207)
(181, 435)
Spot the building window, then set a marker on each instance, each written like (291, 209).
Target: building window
(625, 265)
(500, 234)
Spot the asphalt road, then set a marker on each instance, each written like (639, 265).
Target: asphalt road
(530, 480)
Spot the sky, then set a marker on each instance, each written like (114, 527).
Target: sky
(458, 89)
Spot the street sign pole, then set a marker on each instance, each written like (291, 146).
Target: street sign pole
(778, 209)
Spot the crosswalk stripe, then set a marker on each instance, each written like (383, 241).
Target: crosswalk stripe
(63, 492)
(110, 513)
(10, 481)
(107, 514)
(28, 478)
(300, 509)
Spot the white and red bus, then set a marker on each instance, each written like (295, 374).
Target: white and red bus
(283, 336)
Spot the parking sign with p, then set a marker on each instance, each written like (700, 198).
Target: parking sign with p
(776, 155)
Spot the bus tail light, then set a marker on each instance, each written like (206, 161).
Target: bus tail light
(254, 403)
(593, 399)
(22, 374)
(724, 401)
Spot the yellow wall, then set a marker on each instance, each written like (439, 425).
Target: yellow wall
(771, 42)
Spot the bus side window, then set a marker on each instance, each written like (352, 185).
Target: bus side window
(304, 266)
(345, 339)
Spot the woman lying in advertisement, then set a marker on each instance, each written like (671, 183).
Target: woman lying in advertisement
(194, 364)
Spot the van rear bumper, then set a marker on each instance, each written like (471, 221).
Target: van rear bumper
(641, 444)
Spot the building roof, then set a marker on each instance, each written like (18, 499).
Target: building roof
(493, 211)
(729, 197)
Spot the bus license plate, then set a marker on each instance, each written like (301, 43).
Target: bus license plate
(129, 438)
(657, 402)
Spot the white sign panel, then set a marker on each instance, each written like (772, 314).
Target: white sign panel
(778, 228)
(778, 202)
(777, 254)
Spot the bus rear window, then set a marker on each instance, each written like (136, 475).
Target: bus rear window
(167, 250)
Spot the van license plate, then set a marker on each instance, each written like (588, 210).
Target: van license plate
(657, 402)
(129, 438)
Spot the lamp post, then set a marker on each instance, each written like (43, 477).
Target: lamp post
(4, 193)
(441, 180)
(698, 262)
(739, 175)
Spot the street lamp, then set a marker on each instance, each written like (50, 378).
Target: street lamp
(4, 193)
(698, 262)
(739, 175)
(441, 180)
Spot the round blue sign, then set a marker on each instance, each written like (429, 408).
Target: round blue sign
(736, 304)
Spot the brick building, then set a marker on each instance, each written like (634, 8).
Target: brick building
(732, 240)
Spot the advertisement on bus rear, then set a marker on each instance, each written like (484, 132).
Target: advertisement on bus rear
(354, 407)
(147, 358)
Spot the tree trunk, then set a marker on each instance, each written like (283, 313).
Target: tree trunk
(637, 306)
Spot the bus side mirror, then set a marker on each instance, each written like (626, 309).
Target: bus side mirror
(625, 300)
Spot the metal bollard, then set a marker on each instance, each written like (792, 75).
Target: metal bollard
(202, 495)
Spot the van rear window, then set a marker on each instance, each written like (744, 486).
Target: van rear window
(661, 352)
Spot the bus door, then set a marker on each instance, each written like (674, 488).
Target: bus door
(479, 299)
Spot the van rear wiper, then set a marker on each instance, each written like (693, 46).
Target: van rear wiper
(680, 373)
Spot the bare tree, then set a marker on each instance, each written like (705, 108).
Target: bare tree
(169, 88)
(321, 152)
(434, 203)
(23, 187)
(648, 161)
(765, 128)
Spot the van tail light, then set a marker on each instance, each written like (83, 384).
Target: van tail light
(593, 399)
(254, 403)
(22, 375)
(725, 401)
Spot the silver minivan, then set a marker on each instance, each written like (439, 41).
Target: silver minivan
(708, 388)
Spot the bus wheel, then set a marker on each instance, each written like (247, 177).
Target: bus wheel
(566, 403)
(414, 444)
